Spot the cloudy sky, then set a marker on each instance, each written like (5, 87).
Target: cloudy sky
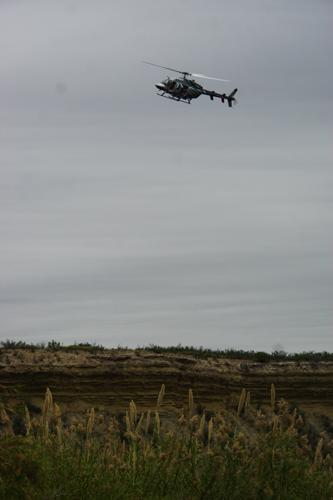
(130, 219)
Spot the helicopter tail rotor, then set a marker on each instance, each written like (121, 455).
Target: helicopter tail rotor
(230, 98)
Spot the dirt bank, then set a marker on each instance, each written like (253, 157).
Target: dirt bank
(111, 378)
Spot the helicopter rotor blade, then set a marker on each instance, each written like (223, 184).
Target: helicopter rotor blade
(186, 73)
(199, 75)
(165, 67)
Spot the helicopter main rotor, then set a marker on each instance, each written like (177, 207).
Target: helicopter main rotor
(186, 73)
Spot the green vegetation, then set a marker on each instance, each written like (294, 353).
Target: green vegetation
(259, 356)
(53, 345)
(239, 453)
(197, 352)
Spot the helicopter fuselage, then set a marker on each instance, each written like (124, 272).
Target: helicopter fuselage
(184, 89)
(180, 88)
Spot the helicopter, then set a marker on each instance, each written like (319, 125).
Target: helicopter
(185, 89)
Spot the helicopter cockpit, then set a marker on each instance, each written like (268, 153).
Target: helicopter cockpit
(171, 85)
(168, 83)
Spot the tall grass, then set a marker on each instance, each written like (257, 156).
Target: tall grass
(236, 453)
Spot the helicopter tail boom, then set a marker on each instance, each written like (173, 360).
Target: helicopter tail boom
(230, 98)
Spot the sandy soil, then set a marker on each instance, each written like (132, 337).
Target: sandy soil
(110, 379)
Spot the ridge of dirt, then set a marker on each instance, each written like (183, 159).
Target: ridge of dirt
(110, 379)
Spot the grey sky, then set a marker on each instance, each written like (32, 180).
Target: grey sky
(130, 219)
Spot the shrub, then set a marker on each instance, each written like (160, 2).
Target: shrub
(142, 457)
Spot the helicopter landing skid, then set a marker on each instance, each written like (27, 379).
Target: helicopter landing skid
(173, 98)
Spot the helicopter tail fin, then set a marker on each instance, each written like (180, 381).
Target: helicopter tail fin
(230, 98)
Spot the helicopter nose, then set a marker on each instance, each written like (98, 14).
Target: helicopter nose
(160, 86)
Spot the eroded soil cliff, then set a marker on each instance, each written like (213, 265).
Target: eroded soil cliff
(110, 379)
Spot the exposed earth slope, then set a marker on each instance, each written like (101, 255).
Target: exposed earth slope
(111, 378)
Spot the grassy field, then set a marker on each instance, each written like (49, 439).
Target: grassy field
(197, 352)
(243, 452)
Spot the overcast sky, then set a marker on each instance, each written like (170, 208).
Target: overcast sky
(130, 219)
